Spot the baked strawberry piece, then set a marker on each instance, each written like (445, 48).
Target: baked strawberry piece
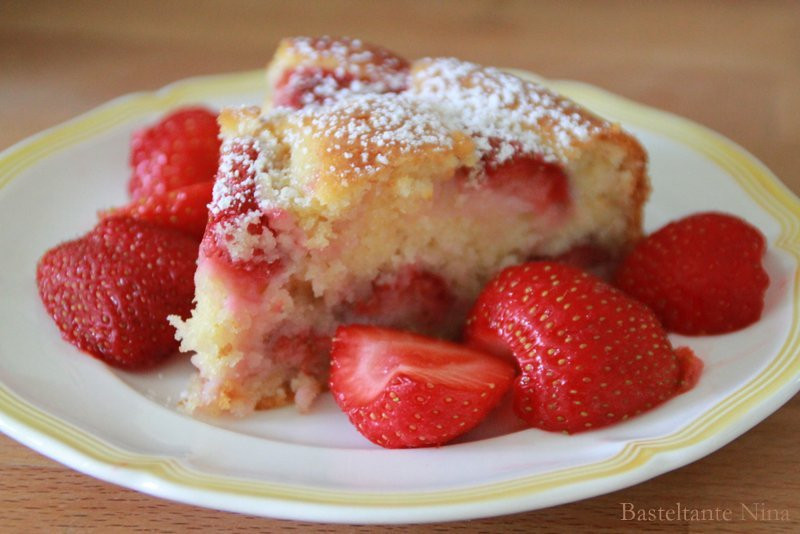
(588, 355)
(536, 183)
(318, 70)
(306, 85)
(702, 274)
(406, 390)
(110, 291)
(181, 149)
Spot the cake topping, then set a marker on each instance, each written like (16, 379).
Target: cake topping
(364, 132)
(319, 70)
(344, 89)
(239, 163)
(366, 62)
(239, 222)
(504, 114)
(363, 118)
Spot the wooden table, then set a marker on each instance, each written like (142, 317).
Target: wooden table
(732, 66)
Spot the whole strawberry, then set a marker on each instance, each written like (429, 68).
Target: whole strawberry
(701, 274)
(181, 149)
(406, 390)
(110, 292)
(588, 355)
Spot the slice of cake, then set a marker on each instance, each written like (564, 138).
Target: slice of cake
(370, 190)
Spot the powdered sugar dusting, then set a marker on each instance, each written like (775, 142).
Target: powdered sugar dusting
(236, 174)
(363, 131)
(503, 113)
(369, 126)
(368, 68)
(235, 207)
(246, 239)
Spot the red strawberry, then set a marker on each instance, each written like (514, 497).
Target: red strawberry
(691, 368)
(588, 354)
(336, 64)
(184, 208)
(701, 274)
(405, 390)
(180, 150)
(235, 181)
(110, 292)
(540, 184)
(411, 299)
(307, 85)
(235, 204)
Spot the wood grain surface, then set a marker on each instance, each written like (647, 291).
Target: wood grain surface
(732, 66)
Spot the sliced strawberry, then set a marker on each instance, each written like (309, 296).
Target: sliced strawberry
(181, 149)
(405, 390)
(701, 275)
(110, 292)
(185, 208)
(589, 355)
(410, 299)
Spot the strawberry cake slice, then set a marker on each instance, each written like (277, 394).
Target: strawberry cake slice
(368, 189)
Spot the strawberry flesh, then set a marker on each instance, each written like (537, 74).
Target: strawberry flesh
(540, 184)
(588, 355)
(406, 390)
(368, 69)
(234, 201)
(110, 292)
(701, 275)
(308, 85)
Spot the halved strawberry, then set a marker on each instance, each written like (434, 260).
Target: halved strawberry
(181, 149)
(184, 209)
(110, 292)
(701, 274)
(589, 355)
(405, 390)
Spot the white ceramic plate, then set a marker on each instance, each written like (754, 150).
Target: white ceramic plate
(123, 427)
